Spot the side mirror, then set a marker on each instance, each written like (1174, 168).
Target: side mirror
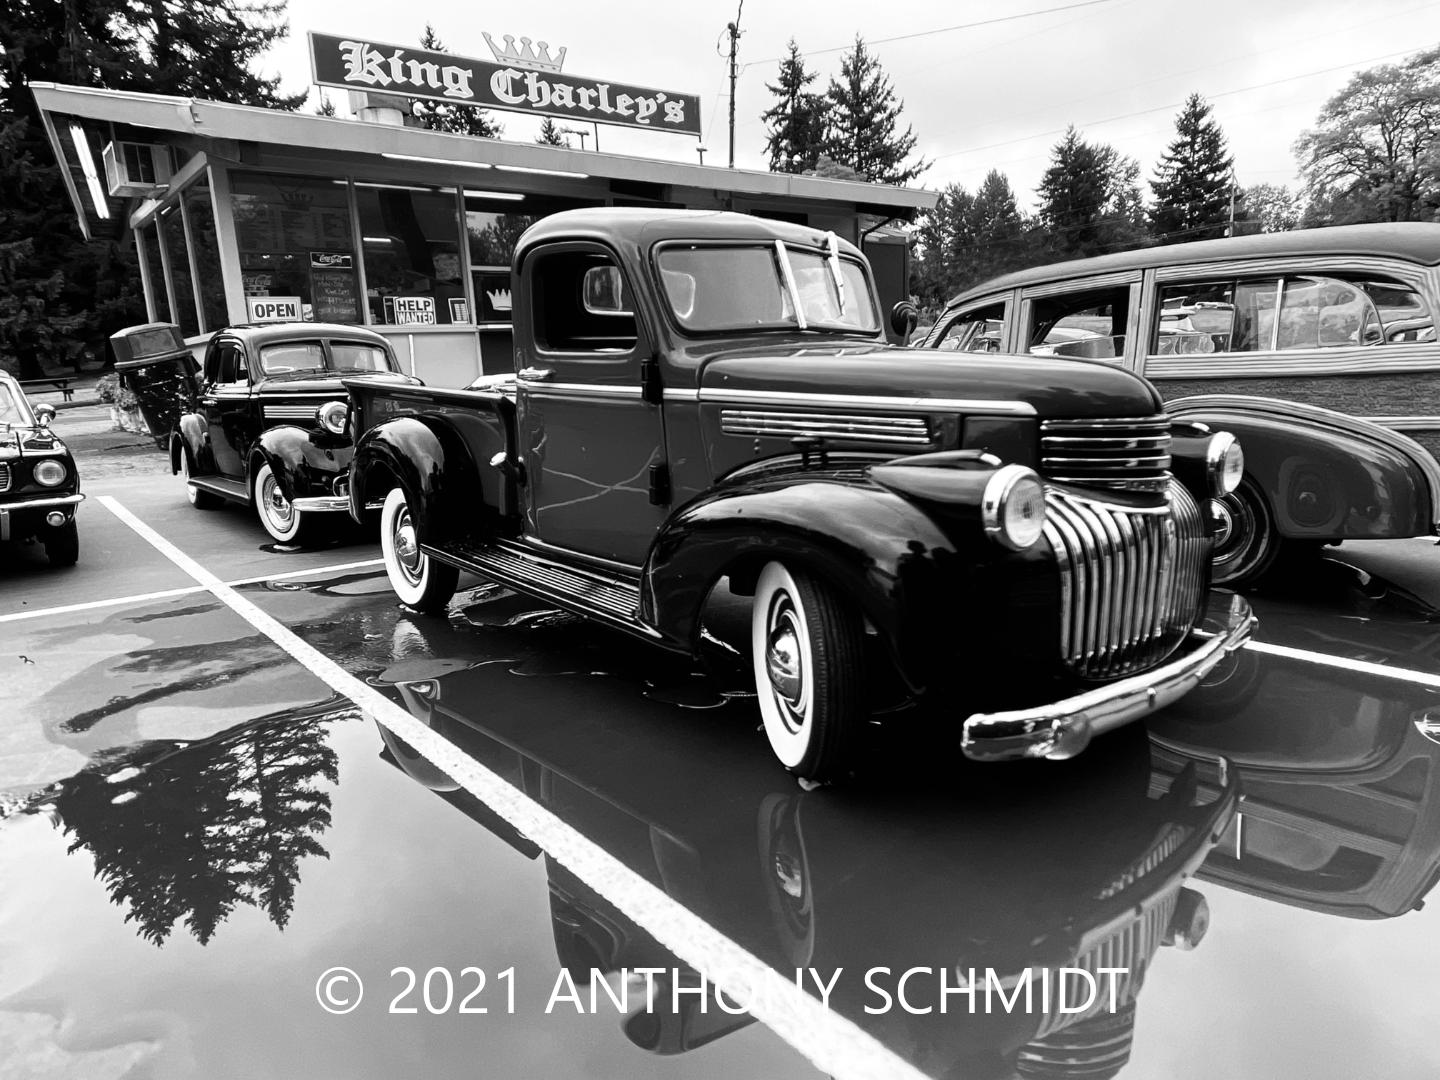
(604, 291)
(44, 414)
(904, 317)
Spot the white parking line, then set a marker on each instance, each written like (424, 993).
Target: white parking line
(831, 1042)
(140, 598)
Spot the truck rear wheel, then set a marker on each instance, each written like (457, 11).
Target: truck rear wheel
(809, 657)
(418, 580)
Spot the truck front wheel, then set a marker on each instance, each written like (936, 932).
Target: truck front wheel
(418, 580)
(809, 656)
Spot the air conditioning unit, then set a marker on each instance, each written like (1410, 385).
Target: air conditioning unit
(133, 168)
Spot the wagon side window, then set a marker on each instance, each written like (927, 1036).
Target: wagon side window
(1198, 318)
(979, 330)
(1090, 325)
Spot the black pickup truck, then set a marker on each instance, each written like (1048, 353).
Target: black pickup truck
(705, 398)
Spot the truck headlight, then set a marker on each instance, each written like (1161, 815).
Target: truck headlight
(1013, 507)
(50, 473)
(332, 416)
(1224, 464)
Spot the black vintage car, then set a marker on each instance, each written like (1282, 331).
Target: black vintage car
(39, 485)
(266, 423)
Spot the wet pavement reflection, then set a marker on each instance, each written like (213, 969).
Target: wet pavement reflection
(1232, 890)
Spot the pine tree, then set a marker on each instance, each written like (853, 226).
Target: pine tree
(446, 116)
(796, 123)
(550, 134)
(864, 120)
(997, 227)
(1090, 199)
(1193, 184)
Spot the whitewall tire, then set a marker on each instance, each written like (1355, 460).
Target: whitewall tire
(418, 580)
(276, 513)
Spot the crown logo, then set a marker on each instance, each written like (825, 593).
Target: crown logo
(499, 299)
(525, 56)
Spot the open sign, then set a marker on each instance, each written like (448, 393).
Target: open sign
(273, 308)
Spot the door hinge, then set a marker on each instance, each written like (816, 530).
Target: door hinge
(651, 390)
(659, 484)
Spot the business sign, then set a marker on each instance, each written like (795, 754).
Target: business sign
(414, 310)
(521, 80)
(272, 308)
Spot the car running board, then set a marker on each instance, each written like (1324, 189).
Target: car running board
(226, 489)
(613, 599)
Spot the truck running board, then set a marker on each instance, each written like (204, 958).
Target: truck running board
(615, 600)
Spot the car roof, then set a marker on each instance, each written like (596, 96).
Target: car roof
(267, 333)
(643, 226)
(1413, 241)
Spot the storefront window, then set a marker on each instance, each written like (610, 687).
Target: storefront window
(172, 235)
(411, 240)
(493, 226)
(211, 286)
(295, 241)
(150, 243)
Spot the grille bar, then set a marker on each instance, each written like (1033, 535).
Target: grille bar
(4, 476)
(1127, 452)
(900, 430)
(1131, 579)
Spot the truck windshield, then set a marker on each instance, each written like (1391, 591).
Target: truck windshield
(308, 357)
(750, 287)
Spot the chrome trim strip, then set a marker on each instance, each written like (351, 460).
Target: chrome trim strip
(904, 430)
(290, 412)
(1063, 728)
(559, 389)
(313, 503)
(976, 406)
(1298, 363)
(1405, 423)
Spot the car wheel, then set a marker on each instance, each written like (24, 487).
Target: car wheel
(62, 544)
(201, 500)
(418, 580)
(809, 660)
(1245, 540)
(282, 521)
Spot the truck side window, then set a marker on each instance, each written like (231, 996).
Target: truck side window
(564, 321)
(979, 330)
(1089, 325)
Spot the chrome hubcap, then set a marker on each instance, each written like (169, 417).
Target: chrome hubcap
(783, 661)
(407, 548)
(276, 505)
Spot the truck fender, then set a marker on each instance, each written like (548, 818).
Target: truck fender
(431, 462)
(305, 463)
(870, 544)
(1325, 475)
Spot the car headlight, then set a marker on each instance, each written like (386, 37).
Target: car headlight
(332, 416)
(1224, 464)
(1013, 507)
(50, 472)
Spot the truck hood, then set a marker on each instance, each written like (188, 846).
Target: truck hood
(1057, 388)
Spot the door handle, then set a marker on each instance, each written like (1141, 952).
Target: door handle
(209, 401)
(535, 374)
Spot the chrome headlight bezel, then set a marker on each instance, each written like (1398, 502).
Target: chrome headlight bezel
(1012, 508)
(50, 473)
(1224, 464)
(333, 416)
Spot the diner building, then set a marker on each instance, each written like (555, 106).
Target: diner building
(241, 214)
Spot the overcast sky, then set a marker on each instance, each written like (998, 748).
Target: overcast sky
(978, 97)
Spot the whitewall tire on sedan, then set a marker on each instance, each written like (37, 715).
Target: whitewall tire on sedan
(282, 521)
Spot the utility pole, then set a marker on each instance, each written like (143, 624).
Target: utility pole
(733, 29)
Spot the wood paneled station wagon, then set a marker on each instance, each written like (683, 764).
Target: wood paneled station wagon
(707, 398)
(1316, 348)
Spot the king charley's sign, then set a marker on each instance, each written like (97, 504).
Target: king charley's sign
(531, 83)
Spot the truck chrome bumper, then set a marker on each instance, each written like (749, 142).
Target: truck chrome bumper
(1062, 729)
(24, 506)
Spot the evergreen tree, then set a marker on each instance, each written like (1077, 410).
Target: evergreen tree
(796, 123)
(446, 116)
(864, 120)
(1090, 199)
(550, 133)
(997, 228)
(1193, 184)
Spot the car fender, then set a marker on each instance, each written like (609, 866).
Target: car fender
(434, 466)
(1326, 475)
(190, 433)
(305, 463)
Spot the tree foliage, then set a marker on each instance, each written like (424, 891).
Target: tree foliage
(1193, 185)
(795, 124)
(1265, 208)
(450, 116)
(1372, 154)
(1090, 199)
(863, 125)
(550, 134)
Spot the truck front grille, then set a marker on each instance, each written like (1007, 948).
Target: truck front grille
(1130, 453)
(1132, 580)
(4, 476)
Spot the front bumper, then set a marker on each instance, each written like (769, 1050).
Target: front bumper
(19, 509)
(339, 504)
(1063, 728)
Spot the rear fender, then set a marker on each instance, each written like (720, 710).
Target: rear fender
(1326, 475)
(430, 461)
(192, 434)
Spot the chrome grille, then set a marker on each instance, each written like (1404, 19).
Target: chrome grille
(4, 476)
(1131, 579)
(1130, 453)
(290, 412)
(895, 430)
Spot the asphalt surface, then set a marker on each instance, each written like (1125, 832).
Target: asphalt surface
(227, 770)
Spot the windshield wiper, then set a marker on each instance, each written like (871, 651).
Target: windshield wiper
(794, 290)
(833, 261)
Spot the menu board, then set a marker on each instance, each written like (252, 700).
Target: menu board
(333, 295)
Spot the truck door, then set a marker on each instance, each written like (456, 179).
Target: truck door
(593, 448)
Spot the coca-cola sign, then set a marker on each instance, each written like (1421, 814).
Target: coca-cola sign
(522, 85)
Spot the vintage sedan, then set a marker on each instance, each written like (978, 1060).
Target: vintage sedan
(267, 422)
(39, 485)
(1316, 348)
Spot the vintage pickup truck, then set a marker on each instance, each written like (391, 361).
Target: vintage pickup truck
(707, 398)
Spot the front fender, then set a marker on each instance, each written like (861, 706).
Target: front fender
(1326, 475)
(305, 463)
(432, 464)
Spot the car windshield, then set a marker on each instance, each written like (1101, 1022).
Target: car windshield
(308, 357)
(14, 409)
(735, 287)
